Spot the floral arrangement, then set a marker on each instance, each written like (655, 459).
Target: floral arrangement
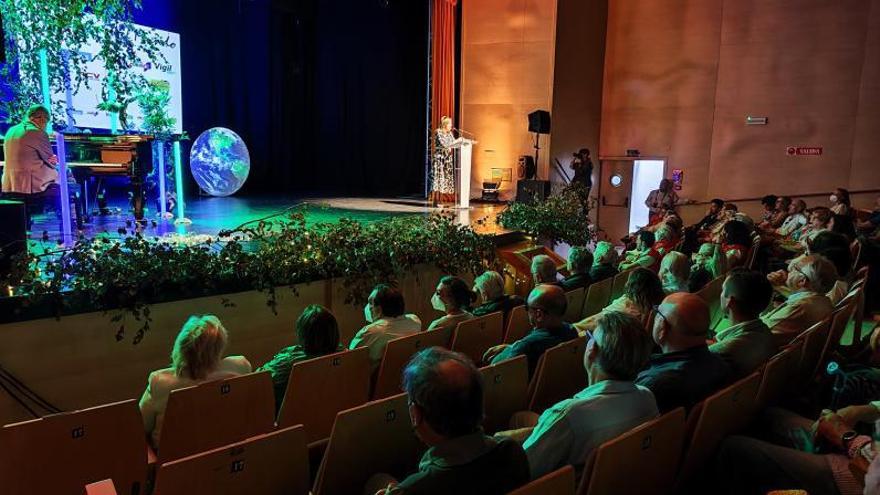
(126, 275)
(562, 217)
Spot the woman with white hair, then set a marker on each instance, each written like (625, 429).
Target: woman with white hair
(490, 288)
(604, 262)
(197, 357)
(442, 173)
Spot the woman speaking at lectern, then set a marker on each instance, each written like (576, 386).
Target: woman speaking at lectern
(442, 171)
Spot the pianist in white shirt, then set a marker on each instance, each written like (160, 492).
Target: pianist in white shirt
(30, 161)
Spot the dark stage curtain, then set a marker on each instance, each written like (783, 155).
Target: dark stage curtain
(329, 95)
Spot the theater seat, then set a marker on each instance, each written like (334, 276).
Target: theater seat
(62, 453)
(374, 438)
(474, 337)
(397, 353)
(642, 460)
(598, 296)
(319, 388)
(574, 301)
(559, 375)
(217, 413)
(505, 392)
(274, 463)
(559, 482)
(619, 284)
(779, 373)
(517, 325)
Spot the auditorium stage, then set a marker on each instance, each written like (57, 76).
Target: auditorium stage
(210, 215)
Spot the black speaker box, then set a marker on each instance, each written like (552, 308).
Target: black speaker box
(531, 191)
(539, 121)
(13, 232)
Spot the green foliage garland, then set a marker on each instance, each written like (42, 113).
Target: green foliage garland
(560, 218)
(127, 275)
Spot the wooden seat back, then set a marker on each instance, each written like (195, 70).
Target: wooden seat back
(655, 447)
(726, 412)
(559, 482)
(319, 388)
(397, 353)
(559, 375)
(619, 284)
(711, 294)
(598, 296)
(574, 300)
(103, 487)
(62, 453)
(216, 413)
(273, 463)
(474, 337)
(505, 392)
(779, 373)
(814, 339)
(374, 438)
(517, 324)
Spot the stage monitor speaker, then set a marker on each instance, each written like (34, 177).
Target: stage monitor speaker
(539, 121)
(532, 191)
(13, 232)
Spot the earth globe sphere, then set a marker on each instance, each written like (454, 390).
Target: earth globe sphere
(220, 161)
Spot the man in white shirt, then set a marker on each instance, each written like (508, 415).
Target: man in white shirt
(386, 321)
(795, 219)
(611, 405)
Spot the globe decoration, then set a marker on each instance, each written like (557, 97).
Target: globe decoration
(220, 161)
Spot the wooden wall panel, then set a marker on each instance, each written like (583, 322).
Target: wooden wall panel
(865, 173)
(798, 63)
(506, 73)
(661, 65)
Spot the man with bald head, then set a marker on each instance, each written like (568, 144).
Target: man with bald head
(446, 410)
(685, 372)
(546, 307)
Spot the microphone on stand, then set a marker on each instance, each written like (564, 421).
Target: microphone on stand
(462, 131)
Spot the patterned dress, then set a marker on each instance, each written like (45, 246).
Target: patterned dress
(442, 172)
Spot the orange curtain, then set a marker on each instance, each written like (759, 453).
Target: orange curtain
(443, 61)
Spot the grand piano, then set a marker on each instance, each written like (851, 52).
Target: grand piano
(94, 155)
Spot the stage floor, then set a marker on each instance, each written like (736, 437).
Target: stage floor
(210, 215)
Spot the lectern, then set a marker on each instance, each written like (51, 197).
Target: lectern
(464, 149)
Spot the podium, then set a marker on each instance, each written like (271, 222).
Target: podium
(464, 151)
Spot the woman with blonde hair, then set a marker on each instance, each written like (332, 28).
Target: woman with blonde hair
(197, 357)
(442, 170)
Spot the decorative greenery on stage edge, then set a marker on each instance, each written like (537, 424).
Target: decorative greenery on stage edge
(127, 275)
(560, 218)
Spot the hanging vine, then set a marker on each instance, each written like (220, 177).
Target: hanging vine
(64, 28)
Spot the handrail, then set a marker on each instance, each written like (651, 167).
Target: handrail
(797, 196)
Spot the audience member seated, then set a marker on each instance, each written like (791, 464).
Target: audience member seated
(546, 307)
(871, 224)
(643, 255)
(768, 209)
(747, 343)
(490, 287)
(736, 241)
(819, 218)
(685, 372)
(712, 215)
(795, 220)
(197, 357)
(612, 404)
(544, 270)
(835, 248)
(808, 279)
(840, 204)
(386, 320)
(454, 298)
(665, 238)
(604, 262)
(317, 334)
(844, 225)
(641, 293)
(579, 263)
(780, 213)
(674, 273)
(709, 263)
(786, 460)
(446, 409)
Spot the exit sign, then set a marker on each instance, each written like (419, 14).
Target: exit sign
(803, 150)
